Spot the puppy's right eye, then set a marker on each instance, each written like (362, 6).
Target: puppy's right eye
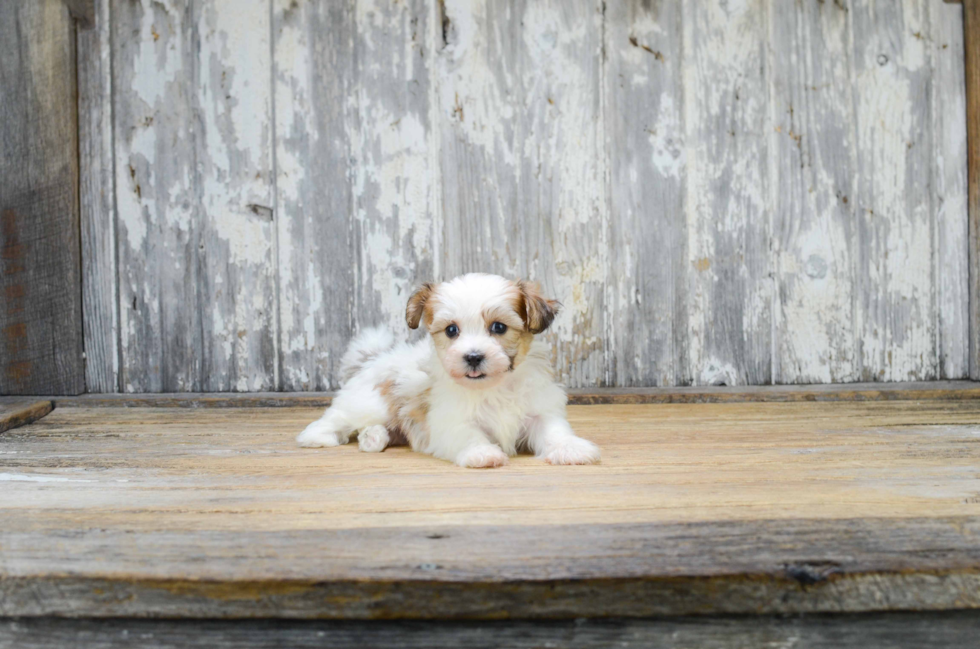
(452, 331)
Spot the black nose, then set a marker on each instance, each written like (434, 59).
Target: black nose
(474, 359)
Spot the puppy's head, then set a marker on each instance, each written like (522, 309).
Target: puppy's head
(482, 325)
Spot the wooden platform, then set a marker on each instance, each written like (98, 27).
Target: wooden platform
(733, 508)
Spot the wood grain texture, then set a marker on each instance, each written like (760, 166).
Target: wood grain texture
(923, 391)
(728, 211)
(894, 273)
(950, 179)
(894, 631)
(40, 293)
(779, 201)
(100, 301)
(645, 139)
(194, 195)
(522, 160)
(815, 171)
(314, 82)
(971, 29)
(394, 223)
(709, 509)
(83, 11)
(22, 411)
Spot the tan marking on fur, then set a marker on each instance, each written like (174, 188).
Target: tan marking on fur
(407, 416)
(431, 306)
(417, 306)
(510, 341)
(537, 311)
(523, 348)
(414, 419)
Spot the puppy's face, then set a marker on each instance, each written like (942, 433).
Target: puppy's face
(482, 325)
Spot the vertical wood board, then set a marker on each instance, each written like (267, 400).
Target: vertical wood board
(394, 228)
(193, 140)
(314, 58)
(949, 178)
(522, 160)
(814, 171)
(728, 292)
(41, 346)
(100, 301)
(971, 39)
(645, 152)
(894, 270)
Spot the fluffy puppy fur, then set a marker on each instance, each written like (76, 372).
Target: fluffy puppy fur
(475, 391)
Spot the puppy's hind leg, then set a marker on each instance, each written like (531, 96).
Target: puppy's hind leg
(332, 429)
(373, 439)
(352, 410)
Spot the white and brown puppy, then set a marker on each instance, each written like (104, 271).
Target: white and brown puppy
(474, 392)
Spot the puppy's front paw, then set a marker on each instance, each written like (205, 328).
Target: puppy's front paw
(572, 450)
(320, 433)
(484, 456)
(373, 439)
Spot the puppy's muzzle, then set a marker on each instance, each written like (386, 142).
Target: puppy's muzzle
(474, 360)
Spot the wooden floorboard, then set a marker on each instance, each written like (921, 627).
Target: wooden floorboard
(922, 391)
(905, 631)
(695, 509)
(16, 412)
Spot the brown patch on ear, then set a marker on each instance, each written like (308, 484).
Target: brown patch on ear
(537, 311)
(416, 305)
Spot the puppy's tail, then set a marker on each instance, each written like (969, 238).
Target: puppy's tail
(363, 349)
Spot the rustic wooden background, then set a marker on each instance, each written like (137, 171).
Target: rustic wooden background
(741, 192)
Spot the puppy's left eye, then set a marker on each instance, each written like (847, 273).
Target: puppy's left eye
(498, 328)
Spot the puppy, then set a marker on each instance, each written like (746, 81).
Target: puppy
(474, 392)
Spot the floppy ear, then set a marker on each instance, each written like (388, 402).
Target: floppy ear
(416, 305)
(538, 311)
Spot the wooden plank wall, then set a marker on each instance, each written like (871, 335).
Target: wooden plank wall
(719, 193)
(971, 20)
(40, 281)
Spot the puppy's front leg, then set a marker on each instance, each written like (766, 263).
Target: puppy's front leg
(467, 446)
(552, 439)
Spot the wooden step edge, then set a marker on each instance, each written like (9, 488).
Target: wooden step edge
(908, 630)
(19, 412)
(918, 391)
(656, 596)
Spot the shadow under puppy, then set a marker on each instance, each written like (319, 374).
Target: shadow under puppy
(474, 392)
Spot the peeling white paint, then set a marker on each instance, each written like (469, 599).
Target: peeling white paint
(495, 149)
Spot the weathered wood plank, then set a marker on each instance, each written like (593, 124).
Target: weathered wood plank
(499, 572)
(157, 210)
(777, 508)
(814, 179)
(646, 344)
(727, 205)
(21, 412)
(971, 41)
(924, 391)
(314, 81)
(894, 631)
(235, 184)
(40, 293)
(100, 277)
(895, 271)
(523, 160)
(395, 229)
(193, 193)
(948, 112)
